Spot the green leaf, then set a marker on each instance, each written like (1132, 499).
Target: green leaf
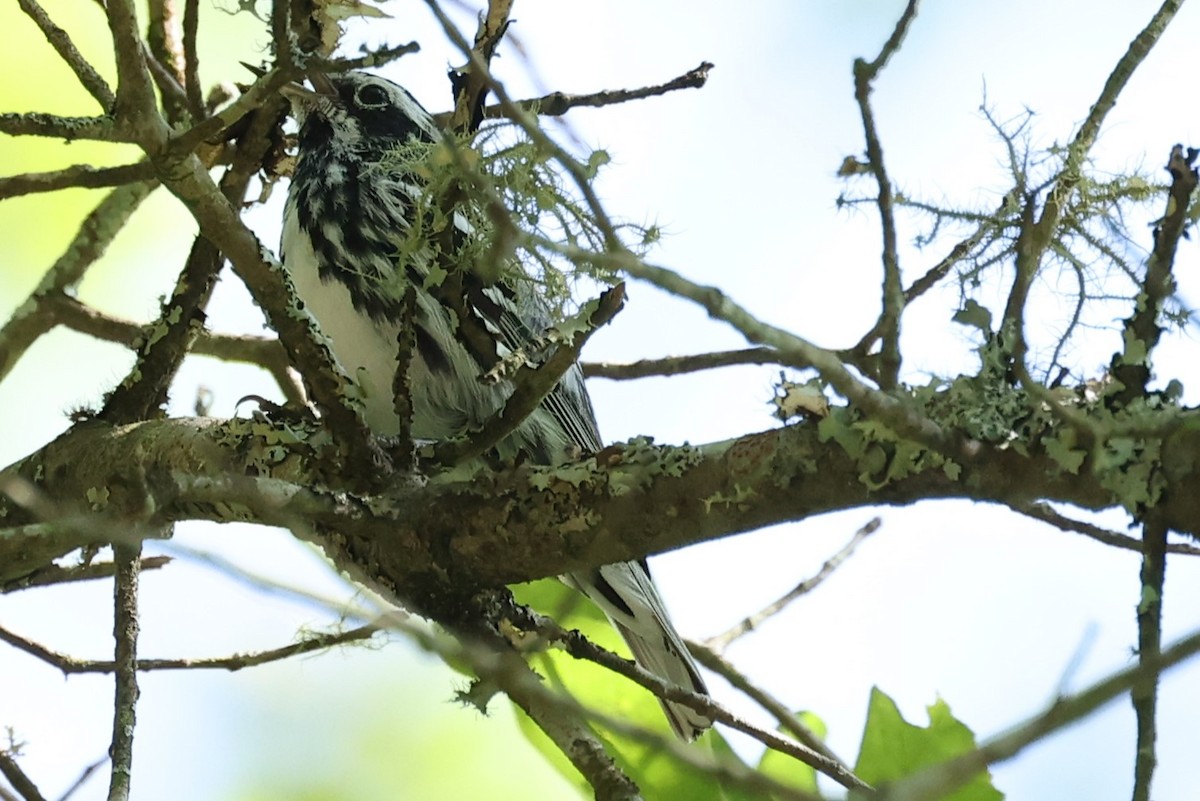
(893, 749)
(787, 770)
(657, 772)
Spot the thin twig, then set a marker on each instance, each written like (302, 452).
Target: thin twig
(731, 771)
(1047, 514)
(371, 60)
(125, 634)
(786, 718)
(35, 123)
(191, 59)
(164, 38)
(1149, 616)
(71, 665)
(556, 104)
(84, 775)
(265, 352)
(264, 87)
(937, 272)
(1036, 234)
(580, 647)
(678, 365)
(79, 175)
(720, 642)
(893, 294)
(55, 575)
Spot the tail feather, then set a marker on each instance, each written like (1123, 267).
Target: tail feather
(627, 595)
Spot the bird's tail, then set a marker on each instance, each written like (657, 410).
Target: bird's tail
(627, 595)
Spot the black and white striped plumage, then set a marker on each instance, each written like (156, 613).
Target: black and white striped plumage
(345, 214)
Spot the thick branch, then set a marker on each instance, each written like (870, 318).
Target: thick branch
(500, 528)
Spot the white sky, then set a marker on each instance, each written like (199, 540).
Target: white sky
(949, 600)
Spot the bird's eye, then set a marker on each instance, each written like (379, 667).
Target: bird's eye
(371, 96)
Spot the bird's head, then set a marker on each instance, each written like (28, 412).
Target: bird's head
(357, 111)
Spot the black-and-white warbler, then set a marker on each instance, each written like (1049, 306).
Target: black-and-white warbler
(349, 206)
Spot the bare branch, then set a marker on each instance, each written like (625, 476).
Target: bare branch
(893, 294)
(89, 244)
(678, 365)
(66, 50)
(125, 634)
(17, 778)
(372, 59)
(54, 574)
(267, 86)
(937, 272)
(471, 83)
(164, 39)
(70, 665)
(84, 775)
(58, 308)
(720, 642)
(580, 647)
(1149, 617)
(162, 348)
(1046, 513)
(1131, 367)
(191, 59)
(34, 123)
(787, 719)
(556, 104)
(79, 175)
(135, 102)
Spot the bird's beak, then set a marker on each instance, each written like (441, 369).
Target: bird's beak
(303, 99)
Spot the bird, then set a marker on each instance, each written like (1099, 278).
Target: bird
(349, 205)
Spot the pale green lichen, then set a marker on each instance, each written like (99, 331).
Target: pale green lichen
(738, 499)
(97, 498)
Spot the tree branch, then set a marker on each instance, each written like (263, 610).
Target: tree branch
(496, 528)
(70, 665)
(17, 778)
(718, 643)
(89, 244)
(941, 780)
(1149, 616)
(893, 293)
(678, 365)
(125, 633)
(78, 175)
(62, 44)
(557, 104)
(54, 574)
